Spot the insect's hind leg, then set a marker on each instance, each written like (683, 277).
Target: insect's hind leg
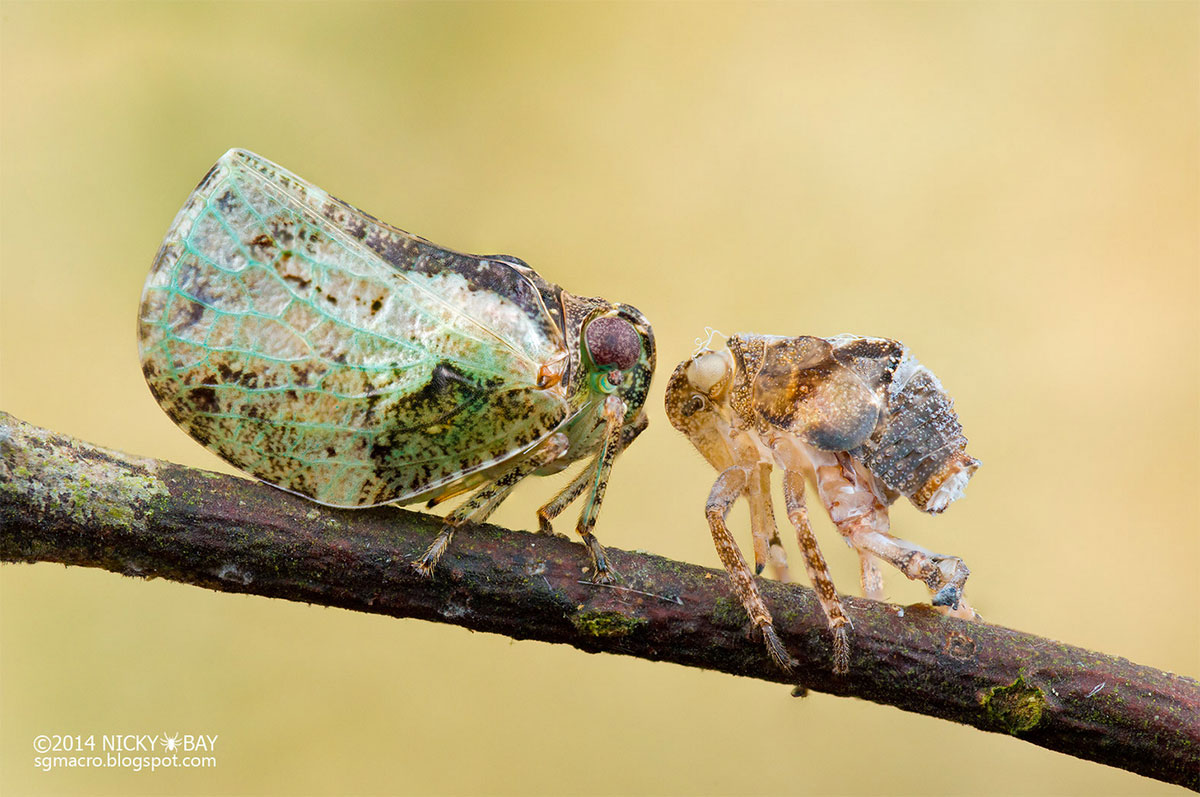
(486, 499)
(818, 570)
(729, 485)
(945, 576)
(862, 518)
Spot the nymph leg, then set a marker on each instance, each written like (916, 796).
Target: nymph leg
(862, 518)
(725, 491)
(943, 575)
(767, 546)
(486, 499)
(818, 570)
(870, 575)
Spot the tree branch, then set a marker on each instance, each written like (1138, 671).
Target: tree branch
(62, 500)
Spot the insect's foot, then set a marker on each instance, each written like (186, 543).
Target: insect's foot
(946, 574)
(600, 573)
(778, 652)
(433, 554)
(841, 651)
(545, 526)
(948, 595)
(604, 577)
(424, 566)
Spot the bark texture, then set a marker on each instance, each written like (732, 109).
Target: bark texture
(63, 500)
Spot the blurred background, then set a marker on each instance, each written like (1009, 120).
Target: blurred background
(1011, 189)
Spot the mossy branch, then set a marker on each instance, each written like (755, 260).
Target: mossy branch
(63, 500)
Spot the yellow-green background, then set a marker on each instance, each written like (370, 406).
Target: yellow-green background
(1011, 189)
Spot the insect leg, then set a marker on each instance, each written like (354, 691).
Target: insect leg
(729, 485)
(944, 575)
(767, 546)
(862, 519)
(614, 411)
(818, 570)
(871, 576)
(554, 508)
(560, 502)
(483, 503)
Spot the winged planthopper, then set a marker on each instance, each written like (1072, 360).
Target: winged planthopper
(859, 417)
(340, 358)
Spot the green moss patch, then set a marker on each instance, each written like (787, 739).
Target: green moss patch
(606, 624)
(1015, 708)
(728, 613)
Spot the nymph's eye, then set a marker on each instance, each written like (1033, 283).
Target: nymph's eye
(612, 341)
(693, 405)
(709, 369)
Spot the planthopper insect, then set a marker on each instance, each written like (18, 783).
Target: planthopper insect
(859, 417)
(337, 357)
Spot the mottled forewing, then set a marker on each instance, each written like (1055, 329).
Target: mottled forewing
(335, 356)
(795, 384)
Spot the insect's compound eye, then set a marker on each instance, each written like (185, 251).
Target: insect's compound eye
(612, 342)
(693, 405)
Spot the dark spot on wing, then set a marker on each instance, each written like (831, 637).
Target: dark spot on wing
(227, 201)
(454, 424)
(204, 399)
(297, 280)
(227, 375)
(447, 393)
(282, 231)
(195, 311)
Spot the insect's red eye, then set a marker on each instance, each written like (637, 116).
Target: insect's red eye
(612, 341)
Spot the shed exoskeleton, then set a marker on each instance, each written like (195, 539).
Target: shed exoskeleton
(858, 417)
